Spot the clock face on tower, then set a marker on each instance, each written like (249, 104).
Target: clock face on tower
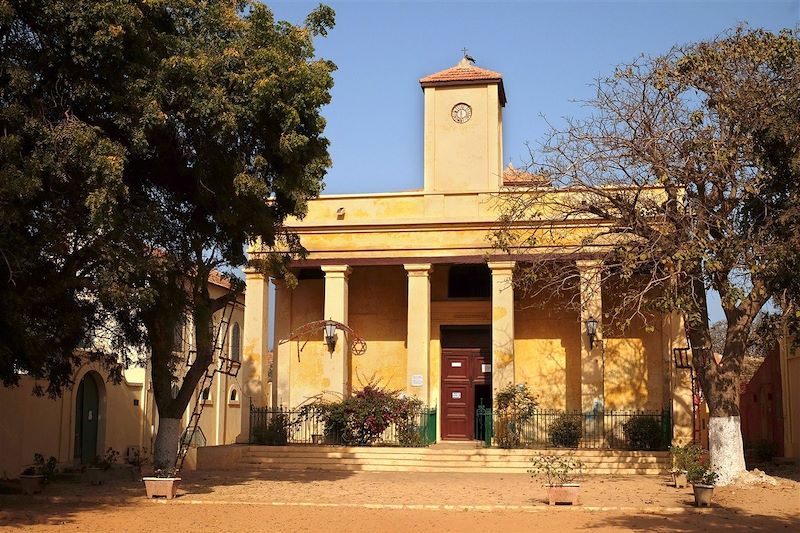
(461, 113)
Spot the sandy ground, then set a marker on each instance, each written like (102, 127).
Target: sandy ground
(331, 502)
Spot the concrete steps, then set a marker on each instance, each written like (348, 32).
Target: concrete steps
(380, 459)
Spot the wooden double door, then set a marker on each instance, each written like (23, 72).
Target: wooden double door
(466, 383)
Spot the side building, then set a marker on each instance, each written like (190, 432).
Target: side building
(95, 414)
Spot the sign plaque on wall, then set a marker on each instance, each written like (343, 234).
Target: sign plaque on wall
(456, 395)
(416, 380)
(486, 367)
(455, 364)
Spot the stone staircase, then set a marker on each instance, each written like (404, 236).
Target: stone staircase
(435, 459)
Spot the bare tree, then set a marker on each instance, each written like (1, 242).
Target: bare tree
(670, 173)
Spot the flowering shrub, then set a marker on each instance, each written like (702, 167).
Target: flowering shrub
(362, 418)
(515, 405)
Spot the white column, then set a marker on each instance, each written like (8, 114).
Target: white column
(336, 367)
(502, 324)
(419, 330)
(591, 357)
(254, 344)
(281, 378)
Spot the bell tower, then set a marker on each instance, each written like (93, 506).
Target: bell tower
(463, 129)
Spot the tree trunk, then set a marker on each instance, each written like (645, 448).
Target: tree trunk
(724, 426)
(725, 447)
(166, 444)
(720, 386)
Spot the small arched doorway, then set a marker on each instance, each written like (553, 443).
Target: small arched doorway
(87, 411)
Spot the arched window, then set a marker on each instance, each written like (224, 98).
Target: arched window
(206, 394)
(236, 338)
(234, 395)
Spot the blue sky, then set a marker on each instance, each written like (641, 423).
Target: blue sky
(548, 52)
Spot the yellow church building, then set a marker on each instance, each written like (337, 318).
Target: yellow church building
(414, 274)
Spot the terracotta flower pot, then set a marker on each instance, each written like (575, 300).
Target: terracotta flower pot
(566, 493)
(679, 480)
(161, 486)
(31, 484)
(702, 494)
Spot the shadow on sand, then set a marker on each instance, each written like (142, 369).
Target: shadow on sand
(60, 502)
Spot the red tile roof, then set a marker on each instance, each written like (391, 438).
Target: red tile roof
(465, 73)
(218, 278)
(513, 177)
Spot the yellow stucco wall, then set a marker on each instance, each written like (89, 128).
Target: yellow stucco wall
(547, 355)
(28, 426)
(636, 355)
(377, 312)
(31, 424)
(547, 358)
(463, 156)
(634, 370)
(378, 302)
(306, 372)
(790, 374)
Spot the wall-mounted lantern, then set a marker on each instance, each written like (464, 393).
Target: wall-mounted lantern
(591, 330)
(330, 335)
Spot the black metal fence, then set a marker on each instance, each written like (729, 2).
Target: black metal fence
(278, 427)
(616, 430)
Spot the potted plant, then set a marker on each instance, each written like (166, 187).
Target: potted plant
(164, 482)
(96, 471)
(35, 476)
(703, 480)
(683, 458)
(558, 473)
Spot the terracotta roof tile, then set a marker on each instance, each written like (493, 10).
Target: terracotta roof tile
(465, 73)
(462, 73)
(513, 177)
(218, 278)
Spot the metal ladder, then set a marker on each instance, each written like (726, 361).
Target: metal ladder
(219, 364)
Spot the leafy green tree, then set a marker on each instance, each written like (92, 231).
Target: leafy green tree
(201, 132)
(687, 167)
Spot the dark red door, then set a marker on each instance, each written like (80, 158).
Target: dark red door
(462, 370)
